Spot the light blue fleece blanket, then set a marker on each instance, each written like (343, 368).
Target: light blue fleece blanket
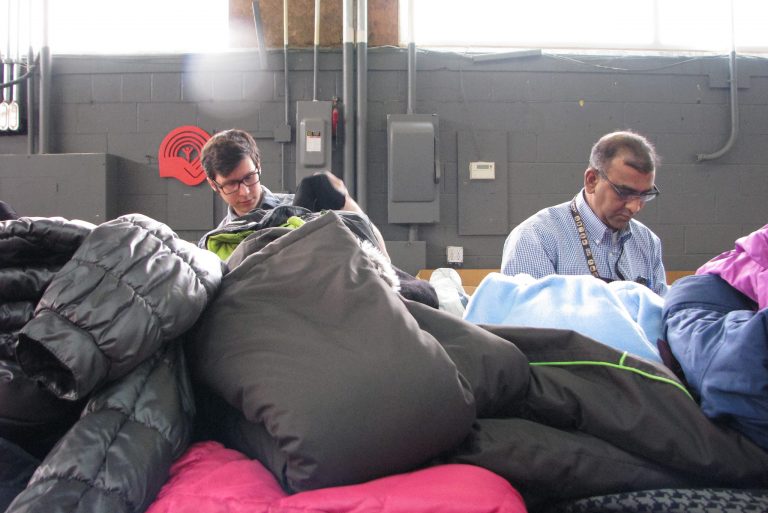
(621, 314)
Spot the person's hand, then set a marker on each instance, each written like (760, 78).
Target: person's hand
(338, 184)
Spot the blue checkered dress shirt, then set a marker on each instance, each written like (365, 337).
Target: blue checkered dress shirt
(548, 243)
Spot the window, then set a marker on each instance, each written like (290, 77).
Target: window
(137, 26)
(666, 25)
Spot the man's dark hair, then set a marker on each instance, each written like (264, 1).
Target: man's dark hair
(641, 155)
(225, 150)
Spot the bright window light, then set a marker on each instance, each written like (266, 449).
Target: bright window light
(138, 26)
(588, 24)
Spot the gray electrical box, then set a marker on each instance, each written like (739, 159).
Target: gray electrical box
(413, 172)
(313, 138)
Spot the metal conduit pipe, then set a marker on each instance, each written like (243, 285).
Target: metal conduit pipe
(257, 20)
(362, 102)
(283, 170)
(45, 85)
(31, 126)
(348, 93)
(317, 45)
(734, 115)
(411, 60)
(413, 229)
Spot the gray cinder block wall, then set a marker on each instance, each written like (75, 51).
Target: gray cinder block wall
(543, 113)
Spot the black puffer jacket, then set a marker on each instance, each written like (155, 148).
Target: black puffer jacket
(103, 331)
(31, 251)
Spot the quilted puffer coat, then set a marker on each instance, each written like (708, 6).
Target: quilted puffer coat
(104, 333)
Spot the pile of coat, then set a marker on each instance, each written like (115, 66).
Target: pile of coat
(92, 378)
(313, 365)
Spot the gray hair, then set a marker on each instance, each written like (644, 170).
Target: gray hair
(642, 154)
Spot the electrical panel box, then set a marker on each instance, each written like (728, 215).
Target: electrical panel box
(313, 138)
(413, 170)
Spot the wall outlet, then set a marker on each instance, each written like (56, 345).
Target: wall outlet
(454, 255)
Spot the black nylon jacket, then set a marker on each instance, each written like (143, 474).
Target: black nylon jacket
(104, 334)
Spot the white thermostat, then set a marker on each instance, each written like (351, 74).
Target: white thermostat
(482, 170)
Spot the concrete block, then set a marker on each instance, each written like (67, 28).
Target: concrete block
(752, 119)
(523, 147)
(672, 239)
(228, 86)
(139, 147)
(387, 85)
(483, 204)
(653, 117)
(72, 89)
(73, 186)
(79, 143)
(577, 116)
(440, 85)
(189, 208)
(220, 115)
(590, 87)
(521, 87)
(151, 205)
(643, 88)
(137, 87)
(272, 116)
(532, 178)
(571, 147)
(166, 87)
(709, 238)
(693, 89)
(64, 118)
(739, 208)
(523, 206)
(197, 86)
(106, 118)
(163, 117)
(686, 208)
(259, 86)
(705, 118)
(137, 179)
(107, 88)
(408, 256)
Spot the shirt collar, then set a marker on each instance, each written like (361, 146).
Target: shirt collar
(597, 230)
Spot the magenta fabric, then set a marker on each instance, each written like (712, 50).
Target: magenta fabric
(745, 267)
(209, 478)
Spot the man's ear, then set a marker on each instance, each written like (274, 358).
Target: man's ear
(212, 184)
(590, 180)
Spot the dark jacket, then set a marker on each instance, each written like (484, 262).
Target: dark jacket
(334, 379)
(720, 338)
(103, 333)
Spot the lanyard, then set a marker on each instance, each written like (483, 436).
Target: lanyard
(588, 251)
(584, 239)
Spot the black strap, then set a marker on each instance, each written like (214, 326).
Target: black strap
(584, 240)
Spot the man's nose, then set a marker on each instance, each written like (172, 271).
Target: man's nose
(635, 205)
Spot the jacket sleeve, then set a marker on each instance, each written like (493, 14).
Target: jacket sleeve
(130, 286)
(118, 455)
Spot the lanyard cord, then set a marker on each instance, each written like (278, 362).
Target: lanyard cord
(584, 239)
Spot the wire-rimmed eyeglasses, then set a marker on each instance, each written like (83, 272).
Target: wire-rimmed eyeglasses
(628, 194)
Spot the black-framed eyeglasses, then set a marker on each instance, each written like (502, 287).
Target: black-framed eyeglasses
(233, 186)
(628, 194)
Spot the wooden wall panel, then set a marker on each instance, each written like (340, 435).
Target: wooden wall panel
(382, 23)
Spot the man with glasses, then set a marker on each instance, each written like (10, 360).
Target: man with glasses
(232, 163)
(595, 232)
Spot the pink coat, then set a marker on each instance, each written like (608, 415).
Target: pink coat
(209, 478)
(745, 267)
